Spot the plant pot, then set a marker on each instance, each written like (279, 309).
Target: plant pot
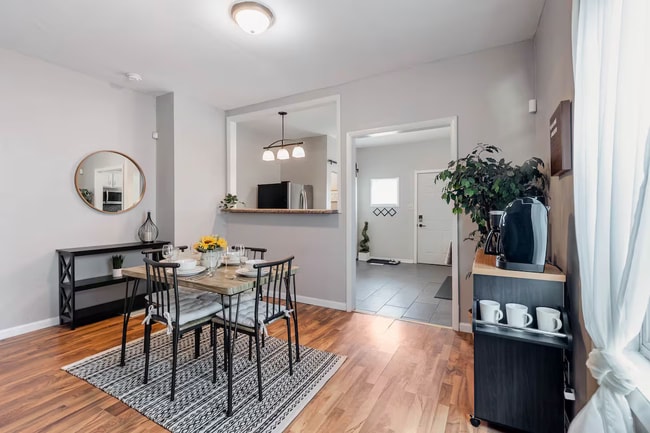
(364, 257)
(210, 259)
(117, 273)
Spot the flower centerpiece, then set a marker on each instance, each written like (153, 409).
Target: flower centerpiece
(210, 248)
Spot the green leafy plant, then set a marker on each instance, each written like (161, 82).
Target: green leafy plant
(117, 260)
(363, 244)
(479, 183)
(87, 195)
(230, 201)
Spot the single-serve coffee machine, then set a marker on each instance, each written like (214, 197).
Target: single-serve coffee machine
(493, 237)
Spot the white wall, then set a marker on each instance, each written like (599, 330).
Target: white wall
(488, 91)
(50, 119)
(251, 170)
(199, 169)
(310, 170)
(393, 237)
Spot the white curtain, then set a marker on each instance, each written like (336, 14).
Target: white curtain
(612, 197)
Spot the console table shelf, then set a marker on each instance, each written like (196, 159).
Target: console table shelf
(69, 285)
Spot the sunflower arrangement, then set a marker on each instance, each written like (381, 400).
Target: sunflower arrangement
(210, 243)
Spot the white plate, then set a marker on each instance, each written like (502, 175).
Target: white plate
(187, 272)
(250, 274)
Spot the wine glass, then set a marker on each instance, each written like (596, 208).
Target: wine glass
(167, 251)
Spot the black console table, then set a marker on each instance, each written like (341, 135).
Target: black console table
(69, 285)
(519, 376)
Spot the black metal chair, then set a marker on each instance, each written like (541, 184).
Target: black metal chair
(180, 312)
(254, 252)
(273, 301)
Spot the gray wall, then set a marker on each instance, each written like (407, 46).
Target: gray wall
(165, 166)
(488, 91)
(50, 119)
(310, 170)
(393, 237)
(554, 83)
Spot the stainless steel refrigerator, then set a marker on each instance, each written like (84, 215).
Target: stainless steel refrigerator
(285, 195)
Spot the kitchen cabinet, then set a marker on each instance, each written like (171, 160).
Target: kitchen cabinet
(519, 378)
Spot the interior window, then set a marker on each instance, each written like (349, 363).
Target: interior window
(384, 192)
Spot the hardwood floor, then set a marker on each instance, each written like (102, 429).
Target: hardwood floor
(399, 377)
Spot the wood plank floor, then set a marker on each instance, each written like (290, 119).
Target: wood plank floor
(399, 377)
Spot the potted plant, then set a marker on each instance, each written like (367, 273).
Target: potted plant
(230, 201)
(364, 248)
(117, 260)
(480, 183)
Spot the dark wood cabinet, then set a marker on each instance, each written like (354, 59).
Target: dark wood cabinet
(69, 286)
(519, 373)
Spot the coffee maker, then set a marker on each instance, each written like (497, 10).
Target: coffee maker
(492, 240)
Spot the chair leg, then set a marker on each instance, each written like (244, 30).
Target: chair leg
(250, 347)
(295, 325)
(213, 333)
(289, 344)
(147, 349)
(259, 365)
(197, 342)
(174, 361)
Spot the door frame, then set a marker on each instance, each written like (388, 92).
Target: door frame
(351, 207)
(415, 208)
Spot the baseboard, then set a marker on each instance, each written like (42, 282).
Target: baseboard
(465, 327)
(321, 302)
(28, 327)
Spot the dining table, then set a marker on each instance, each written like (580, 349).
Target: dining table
(224, 281)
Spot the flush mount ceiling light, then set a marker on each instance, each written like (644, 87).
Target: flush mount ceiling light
(252, 17)
(283, 153)
(132, 76)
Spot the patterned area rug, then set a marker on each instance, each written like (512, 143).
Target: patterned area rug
(200, 405)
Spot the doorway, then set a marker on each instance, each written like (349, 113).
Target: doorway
(409, 285)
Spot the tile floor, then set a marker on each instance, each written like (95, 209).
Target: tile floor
(403, 291)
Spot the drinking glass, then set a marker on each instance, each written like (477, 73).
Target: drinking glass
(167, 251)
(242, 262)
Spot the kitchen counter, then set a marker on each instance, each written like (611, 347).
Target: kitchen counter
(283, 211)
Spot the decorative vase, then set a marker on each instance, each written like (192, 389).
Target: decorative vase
(117, 273)
(364, 257)
(148, 232)
(210, 259)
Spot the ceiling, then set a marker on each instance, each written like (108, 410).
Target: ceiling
(307, 122)
(193, 47)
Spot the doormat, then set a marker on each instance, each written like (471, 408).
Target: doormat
(444, 292)
(383, 262)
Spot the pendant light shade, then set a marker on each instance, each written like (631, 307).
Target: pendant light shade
(283, 153)
(298, 152)
(268, 155)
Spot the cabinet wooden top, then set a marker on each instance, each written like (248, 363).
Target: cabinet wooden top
(484, 264)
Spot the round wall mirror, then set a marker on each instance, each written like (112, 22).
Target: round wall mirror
(110, 181)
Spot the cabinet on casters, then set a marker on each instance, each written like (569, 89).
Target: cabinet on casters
(519, 372)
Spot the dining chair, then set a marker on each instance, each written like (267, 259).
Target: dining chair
(180, 312)
(272, 302)
(254, 252)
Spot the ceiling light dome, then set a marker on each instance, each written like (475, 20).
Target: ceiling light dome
(268, 156)
(283, 153)
(298, 152)
(252, 17)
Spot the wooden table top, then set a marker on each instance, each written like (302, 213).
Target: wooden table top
(224, 281)
(484, 264)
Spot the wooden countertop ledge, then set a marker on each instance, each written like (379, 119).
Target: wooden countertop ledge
(484, 264)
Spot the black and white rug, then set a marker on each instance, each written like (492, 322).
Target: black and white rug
(199, 405)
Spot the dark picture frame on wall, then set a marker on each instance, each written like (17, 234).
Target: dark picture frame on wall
(560, 130)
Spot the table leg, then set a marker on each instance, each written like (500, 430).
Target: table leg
(230, 331)
(128, 308)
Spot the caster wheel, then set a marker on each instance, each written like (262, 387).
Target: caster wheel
(475, 422)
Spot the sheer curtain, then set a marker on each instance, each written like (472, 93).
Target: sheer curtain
(612, 196)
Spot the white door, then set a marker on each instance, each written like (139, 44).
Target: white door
(434, 221)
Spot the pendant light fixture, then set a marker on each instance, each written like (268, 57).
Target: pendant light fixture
(283, 153)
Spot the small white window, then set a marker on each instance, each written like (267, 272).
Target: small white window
(384, 192)
(645, 336)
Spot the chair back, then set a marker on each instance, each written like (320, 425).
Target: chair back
(162, 291)
(255, 252)
(274, 287)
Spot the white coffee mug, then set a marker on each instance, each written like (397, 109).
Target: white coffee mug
(517, 315)
(548, 319)
(490, 311)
